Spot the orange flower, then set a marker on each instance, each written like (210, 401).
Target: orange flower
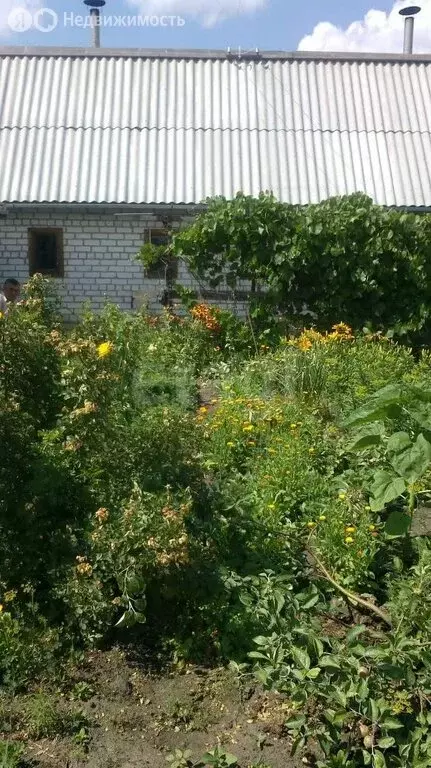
(102, 515)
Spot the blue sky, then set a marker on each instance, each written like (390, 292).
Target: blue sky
(265, 24)
(276, 24)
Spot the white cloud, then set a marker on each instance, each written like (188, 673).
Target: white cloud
(7, 6)
(377, 32)
(208, 12)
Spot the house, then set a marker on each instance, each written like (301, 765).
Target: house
(100, 149)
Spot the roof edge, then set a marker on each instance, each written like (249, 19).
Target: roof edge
(229, 54)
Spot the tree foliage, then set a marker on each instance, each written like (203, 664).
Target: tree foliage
(344, 258)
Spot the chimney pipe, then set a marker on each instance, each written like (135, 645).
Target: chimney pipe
(409, 14)
(95, 6)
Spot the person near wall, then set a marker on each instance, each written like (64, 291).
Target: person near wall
(10, 294)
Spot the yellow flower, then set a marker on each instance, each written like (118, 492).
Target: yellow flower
(322, 518)
(248, 428)
(367, 508)
(230, 444)
(311, 450)
(350, 529)
(342, 496)
(203, 409)
(84, 569)
(349, 540)
(1, 607)
(304, 344)
(371, 527)
(271, 451)
(271, 506)
(293, 426)
(105, 349)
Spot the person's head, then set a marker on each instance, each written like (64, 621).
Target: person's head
(11, 289)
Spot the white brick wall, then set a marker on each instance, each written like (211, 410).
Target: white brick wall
(99, 263)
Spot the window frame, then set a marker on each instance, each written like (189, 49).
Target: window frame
(34, 269)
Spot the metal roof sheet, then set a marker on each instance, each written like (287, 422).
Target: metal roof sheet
(143, 128)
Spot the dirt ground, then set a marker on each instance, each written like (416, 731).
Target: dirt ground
(137, 719)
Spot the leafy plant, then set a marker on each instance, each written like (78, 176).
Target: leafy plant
(180, 758)
(408, 453)
(342, 258)
(218, 758)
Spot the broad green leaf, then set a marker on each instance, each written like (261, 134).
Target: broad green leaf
(354, 633)
(311, 602)
(421, 413)
(398, 523)
(301, 657)
(341, 717)
(386, 743)
(375, 711)
(391, 724)
(329, 662)
(257, 655)
(379, 759)
(377, 407)
(414, 461)
(385, 488)
(294, 723)
(398, 442)
(313, 673)
(366, 437)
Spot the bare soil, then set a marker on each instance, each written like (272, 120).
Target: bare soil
(137, 719)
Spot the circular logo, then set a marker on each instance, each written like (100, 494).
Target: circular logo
(20, 20)
(45, 20)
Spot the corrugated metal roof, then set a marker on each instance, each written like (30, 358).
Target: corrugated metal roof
(111, 128)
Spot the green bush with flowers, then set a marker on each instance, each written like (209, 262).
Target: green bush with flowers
(248, 529)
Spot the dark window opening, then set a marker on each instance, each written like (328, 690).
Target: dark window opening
(46, 252)
(166, 268)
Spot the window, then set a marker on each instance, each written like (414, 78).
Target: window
(45, 250)
(166, 267)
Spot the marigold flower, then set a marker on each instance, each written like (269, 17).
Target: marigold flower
(105, 349)
(84, 569)
(102, 515)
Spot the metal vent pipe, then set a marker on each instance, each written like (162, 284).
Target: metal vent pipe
(95, 6)
(409, 26)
